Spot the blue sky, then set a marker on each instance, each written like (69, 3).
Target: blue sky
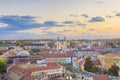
(37, 19)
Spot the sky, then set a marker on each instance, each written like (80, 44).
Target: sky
(48, 19)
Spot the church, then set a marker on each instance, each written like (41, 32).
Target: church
(61, 44)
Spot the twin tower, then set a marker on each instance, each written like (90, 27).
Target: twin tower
(61, 44)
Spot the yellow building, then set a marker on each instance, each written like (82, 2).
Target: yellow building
(109, 59)
(61, 44)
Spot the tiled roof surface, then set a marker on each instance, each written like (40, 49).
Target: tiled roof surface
(102, 77)
(118, 78)
(96, 62)
(49, 66)
(58, 55)
(100, 47)
(26, 73)
(112, 54)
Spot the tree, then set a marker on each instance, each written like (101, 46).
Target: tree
(2, 65)
(113, 70)
(30, 51)
(105, 71)
(72, 44)
(105, 52)
(88, 65)
(1, 53)
(95, 69)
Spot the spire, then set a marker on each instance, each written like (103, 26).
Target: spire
(65, 38)
(58, 38)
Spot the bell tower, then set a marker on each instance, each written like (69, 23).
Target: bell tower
(65, 43)
(58, 43)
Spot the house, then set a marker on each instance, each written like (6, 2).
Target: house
(97, 63)
(34, 46)
(109, 59)
(6, 46)
(78, 63)
(59, 58)
(39, 70)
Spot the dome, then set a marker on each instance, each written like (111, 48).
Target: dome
(23, 53)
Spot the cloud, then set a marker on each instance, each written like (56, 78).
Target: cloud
(14, 23)
(118, 14)
(66, 30)
(108, 28)
(2, 25)
(68, 22)
(114, 11)
(91, 29)
(81, 24)
(73, 15)
(109, 16)
(52, 24)
(85, 15)
(46, 28)
(100, 2)
(96, 19)
(63, 31)
(51, 33)
(98, 32)
(74, 23)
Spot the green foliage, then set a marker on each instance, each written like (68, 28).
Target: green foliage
(88, 65)
(105, 52)
(72, 43)
(1, 53)
(30, 51)
(69, 68)
(2, 65)
(51, 44)
(113, 70)
(95, 69)
(105, 71)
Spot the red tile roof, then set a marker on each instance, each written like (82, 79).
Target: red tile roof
(49, 66)
(102, 77)
(27, 78)
(58, 55)
(100, 47)
(27, 72)
(96, 62)
(112, 54)
(118, 78)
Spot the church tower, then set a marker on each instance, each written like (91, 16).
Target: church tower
(65, 43)
(61, 45)
(58, 43)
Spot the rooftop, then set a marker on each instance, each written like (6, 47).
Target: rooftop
(58, 55)
(101, 77)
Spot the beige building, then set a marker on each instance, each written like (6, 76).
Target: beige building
(61, 44)
(40, 70)
(110, 59)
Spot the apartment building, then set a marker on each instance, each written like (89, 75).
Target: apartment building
(109, 59)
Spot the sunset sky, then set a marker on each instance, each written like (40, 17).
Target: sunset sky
(75, 19)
